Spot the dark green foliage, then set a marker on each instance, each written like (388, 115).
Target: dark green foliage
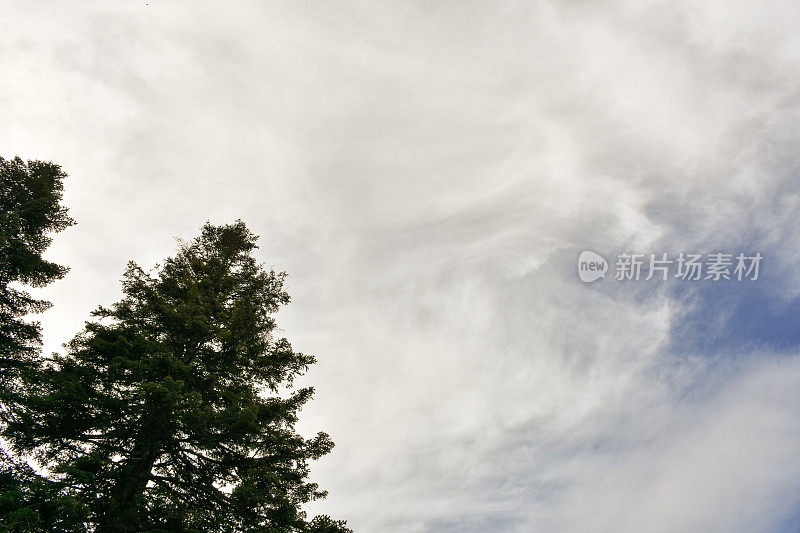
(30, 210)
(325, 524)
(174, 410)
(30, 502)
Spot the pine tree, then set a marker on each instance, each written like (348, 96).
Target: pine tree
(174, 409)
(30, 210)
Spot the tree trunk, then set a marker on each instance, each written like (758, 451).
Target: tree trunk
(122, 511)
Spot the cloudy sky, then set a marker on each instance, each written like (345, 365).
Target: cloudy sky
(428, 173)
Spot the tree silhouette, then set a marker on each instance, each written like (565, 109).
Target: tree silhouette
(30, 210)
(174, 409)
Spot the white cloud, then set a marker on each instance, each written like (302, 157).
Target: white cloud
(427, 174)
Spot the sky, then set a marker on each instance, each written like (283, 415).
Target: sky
(428, 174)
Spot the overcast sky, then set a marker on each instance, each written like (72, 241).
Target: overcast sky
(427, 173)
